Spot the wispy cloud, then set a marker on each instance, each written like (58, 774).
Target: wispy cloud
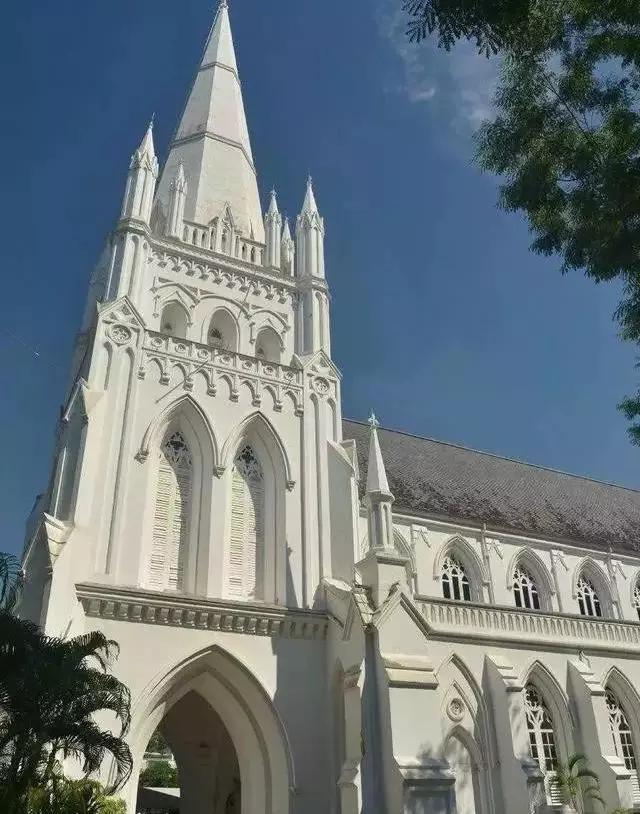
(459, 85)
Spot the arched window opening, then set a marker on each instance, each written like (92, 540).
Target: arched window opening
(525, 590)
(542, 740)
(246, 549)
(223, 331)
(588, 599)
(268, 345)
(623, 740)
(216, 339)
(171, 516)
(455, 582)
(636, 597)
(225, 240)
(173, 321)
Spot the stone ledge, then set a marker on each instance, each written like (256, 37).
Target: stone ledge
(178, 610)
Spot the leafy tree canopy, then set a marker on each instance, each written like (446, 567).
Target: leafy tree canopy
(51, 690)
(566, 134)
(159, 774)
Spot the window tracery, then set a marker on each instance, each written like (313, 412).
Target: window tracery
(525, 590)
(171, 515)
(623, 740)
(216, 339)
(588, 599)
(542, 742)
(247, 539)
(455, 582)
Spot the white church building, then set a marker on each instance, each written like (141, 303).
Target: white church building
(321, 616)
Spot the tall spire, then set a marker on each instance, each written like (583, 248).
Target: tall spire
(376, 473)
(310, 205)
(212, 141)
(273, 233)
(141, 181)
(378, 496)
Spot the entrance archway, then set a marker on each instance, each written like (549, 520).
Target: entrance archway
(222, 727)
(206, 761)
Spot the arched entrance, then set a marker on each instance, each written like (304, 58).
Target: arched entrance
(206, 761)
(227, 738)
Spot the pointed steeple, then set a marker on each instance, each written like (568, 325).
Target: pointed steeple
(146, 152)
(310, 205)
(212, 141)
(378, 496)
(272, 228)
(273, 204)
(310, 237)
(376, 473)
(141, 181)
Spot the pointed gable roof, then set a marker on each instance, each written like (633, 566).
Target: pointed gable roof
(212, 141)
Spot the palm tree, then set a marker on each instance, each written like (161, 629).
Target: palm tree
(570, 777)
(50, 691)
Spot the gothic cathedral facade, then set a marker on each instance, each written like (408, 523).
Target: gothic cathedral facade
(322, 617)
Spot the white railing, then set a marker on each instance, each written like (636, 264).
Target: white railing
(218, 364)
(492, 623)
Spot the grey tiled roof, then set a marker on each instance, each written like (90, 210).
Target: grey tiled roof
(442, 480)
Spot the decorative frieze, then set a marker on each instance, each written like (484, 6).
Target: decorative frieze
(221, 366)
(178, 610)
(233, 275)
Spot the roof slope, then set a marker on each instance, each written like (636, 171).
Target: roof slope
(437, 479)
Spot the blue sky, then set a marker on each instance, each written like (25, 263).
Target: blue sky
(443, 321)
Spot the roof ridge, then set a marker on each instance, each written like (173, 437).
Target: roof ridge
(500, 457)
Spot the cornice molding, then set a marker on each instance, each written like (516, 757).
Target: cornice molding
(178, 610)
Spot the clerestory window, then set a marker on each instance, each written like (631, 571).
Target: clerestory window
(525, 590)
(588, 599)
(455, 582)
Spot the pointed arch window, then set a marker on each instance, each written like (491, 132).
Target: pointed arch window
(542, 741)
(455, 582)
(171, 515)
(588, 599)
(623, 740)
(636, 597)
(525, 590)
(247, 538)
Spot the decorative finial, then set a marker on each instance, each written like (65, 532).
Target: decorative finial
(273, 192)
(223, 4)
(153, 120)
(309, 180)
(373, 421)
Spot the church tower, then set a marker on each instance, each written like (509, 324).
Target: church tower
(203, 419)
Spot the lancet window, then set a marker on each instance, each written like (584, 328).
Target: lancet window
(588, 599)
(542, 742)
(455, 582)
(525, 590)
(623, 740)
(171, 516)
(247, 538)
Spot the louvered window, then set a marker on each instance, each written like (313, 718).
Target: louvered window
(542, 741)
(171, 517)
(455, 583)
(623, 740)
(246, 546)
